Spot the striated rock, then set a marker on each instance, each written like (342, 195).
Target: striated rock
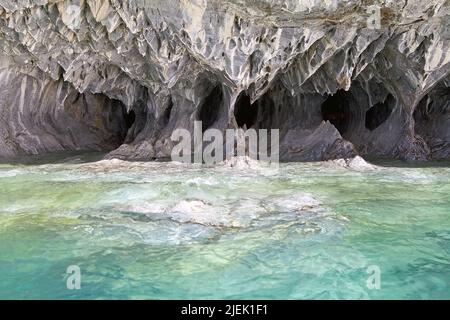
(39, 115)
(322, 143)
(432, 119)
(334, 83)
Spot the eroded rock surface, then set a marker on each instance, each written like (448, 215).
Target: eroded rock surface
(334, 85)
(39, 115)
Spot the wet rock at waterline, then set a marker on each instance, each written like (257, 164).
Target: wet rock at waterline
(121, 76)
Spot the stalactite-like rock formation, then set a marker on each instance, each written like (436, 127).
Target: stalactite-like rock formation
(121, 75)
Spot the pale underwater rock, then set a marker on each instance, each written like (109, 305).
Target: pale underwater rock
(197, 211)
(145, 68)
(299, 202)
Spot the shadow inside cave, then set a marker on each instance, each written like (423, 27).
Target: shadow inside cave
(336, 109)
(379, 113)
(245, 112)
(209, 110)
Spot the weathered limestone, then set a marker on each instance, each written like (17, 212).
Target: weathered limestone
(313, 69)
(39, 115)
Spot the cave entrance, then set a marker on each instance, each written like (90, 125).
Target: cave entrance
(134, 120)
(210, 108)
(167, 112)
(245, 112)
(423, 110)
(130, 118)
(336, 109)
(379, 113)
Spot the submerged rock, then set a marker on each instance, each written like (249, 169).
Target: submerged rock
(122, 75)
(293, 203)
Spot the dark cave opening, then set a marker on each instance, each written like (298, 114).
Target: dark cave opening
(267, 113)
(167, 112)
(436, 102)
(245, 112)
(379, 113)
(336, 109)
(432, 121)
(134, 121)
(209, 110)
(423, 110)
(130, 118)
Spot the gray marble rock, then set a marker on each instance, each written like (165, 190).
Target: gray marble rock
(39, 115)
(333, 82)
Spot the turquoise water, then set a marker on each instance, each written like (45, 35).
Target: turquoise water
(172, 231)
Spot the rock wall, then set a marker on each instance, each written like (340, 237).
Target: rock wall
(334, 84)
(40, 115)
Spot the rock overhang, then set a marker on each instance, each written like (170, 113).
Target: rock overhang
(295, 54)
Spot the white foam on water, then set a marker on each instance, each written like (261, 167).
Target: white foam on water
(198, 181)
(12, 173)
(416, 175)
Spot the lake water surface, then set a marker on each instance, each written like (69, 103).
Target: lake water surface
(175, 231)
